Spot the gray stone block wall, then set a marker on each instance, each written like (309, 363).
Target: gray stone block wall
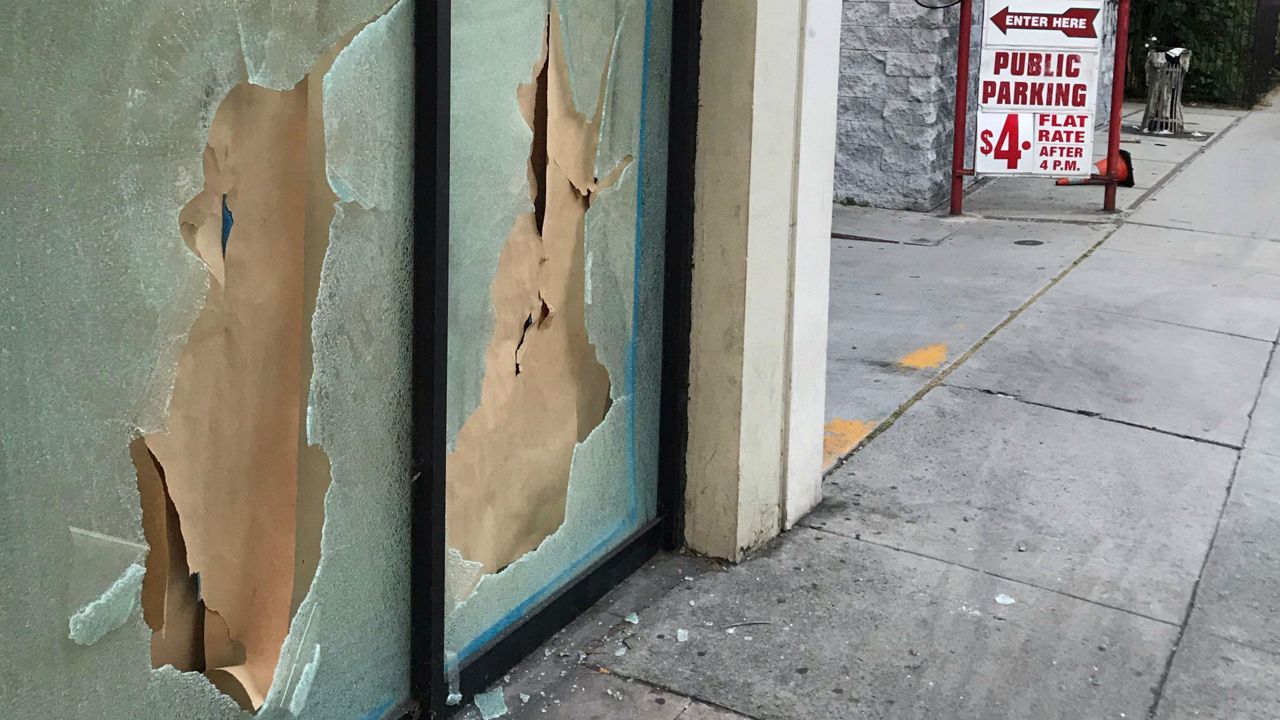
(897, 99)
(895, 104)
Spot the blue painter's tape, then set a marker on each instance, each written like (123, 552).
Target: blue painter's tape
(637, 265)
(518, 612)
(378, 712)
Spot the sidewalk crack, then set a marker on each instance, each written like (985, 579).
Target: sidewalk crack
(1222, 511)
(1118, 313)
(971, 568)
(1096, 415)
(1256, 648)
(1200, 232)
(690, 699)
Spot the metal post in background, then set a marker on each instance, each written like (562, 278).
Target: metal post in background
(1114, 171)
(962, 107)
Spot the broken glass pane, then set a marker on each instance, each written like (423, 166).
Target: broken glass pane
(549, 469)
(138, 215)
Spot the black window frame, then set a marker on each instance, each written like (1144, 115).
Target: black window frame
(429, 687)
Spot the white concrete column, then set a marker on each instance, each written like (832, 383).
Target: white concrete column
(761, 256)
(811, 256)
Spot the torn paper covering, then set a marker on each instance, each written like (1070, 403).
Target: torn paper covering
(229, 456)
(359, 394)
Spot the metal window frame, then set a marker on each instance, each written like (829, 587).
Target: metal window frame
(428, 686)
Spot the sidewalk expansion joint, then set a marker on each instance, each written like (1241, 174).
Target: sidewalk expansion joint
(1095, 415)
(1102, 220)
(690, 698)
(1217, 526)
(1203, 232)
(1177, 169)
(1117, 313)
(1195, 591)
(999, 576)
(1271, 652)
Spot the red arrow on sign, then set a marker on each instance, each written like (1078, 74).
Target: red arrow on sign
(1076, 22)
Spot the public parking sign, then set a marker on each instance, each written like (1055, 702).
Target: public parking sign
(1037, 87)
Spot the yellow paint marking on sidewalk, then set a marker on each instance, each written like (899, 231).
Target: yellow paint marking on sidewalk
(929, 356)
(842, 436)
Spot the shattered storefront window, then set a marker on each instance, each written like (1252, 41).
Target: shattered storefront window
(556, 179)
(205, 333)
(204, 359)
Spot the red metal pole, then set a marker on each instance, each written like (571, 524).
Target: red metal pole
(1117, 106)
(962, 107)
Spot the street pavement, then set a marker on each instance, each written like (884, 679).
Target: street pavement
(1055, 488)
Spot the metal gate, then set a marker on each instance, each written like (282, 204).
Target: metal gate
(1264, 60)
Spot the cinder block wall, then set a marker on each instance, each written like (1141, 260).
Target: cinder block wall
(897, 100)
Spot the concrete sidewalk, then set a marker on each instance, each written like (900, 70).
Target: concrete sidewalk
(911, 293)
(1074, 514)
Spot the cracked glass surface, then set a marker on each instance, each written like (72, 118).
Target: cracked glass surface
(99, 292)
(617, 49)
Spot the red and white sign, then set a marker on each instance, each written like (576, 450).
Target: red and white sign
(1076, 22)
(1037, 87)
(1017, 79)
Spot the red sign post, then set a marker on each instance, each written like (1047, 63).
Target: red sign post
(1114, 171)
(958, 170)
